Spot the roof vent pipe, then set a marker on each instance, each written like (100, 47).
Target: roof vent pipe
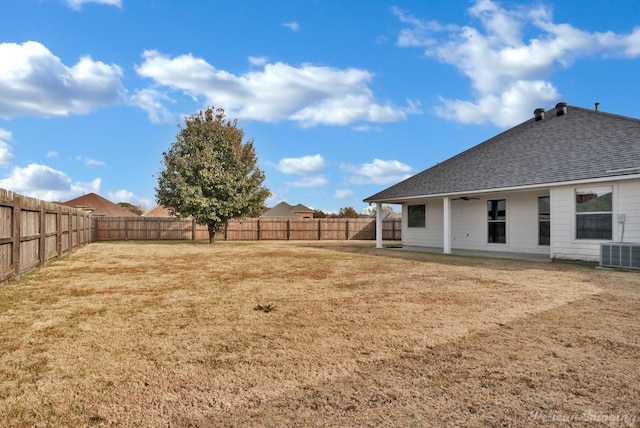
(538, 114)
(561, 108)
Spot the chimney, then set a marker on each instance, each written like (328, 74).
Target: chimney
(561, 109)
(538, 114)
(597, 104)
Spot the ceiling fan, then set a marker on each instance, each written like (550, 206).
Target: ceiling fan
(464, 198)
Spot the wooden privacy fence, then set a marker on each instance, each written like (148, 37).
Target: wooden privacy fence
(163, 228)
(34, 231)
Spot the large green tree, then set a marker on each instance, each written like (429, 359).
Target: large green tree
(348, 212)
(209, 174)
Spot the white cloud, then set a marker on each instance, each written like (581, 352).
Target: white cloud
(52, 154)
(378, 172)
(305, 165)
(344, 193)
(419, 33)
(93, 162)
(151, 100)
(366, 128)
(310, 95)
(35, 82)
(509, 71)
(312, 181)
(77, 4)
(46, 183)
(510, 107)
(258, 60)
(6, 158)
(124, 195)
(293, 26)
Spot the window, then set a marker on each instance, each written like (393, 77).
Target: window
(594, 213)
(497, 216)
(416, 216)
(544, 221)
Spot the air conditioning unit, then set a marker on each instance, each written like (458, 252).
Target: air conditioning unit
(620, 255)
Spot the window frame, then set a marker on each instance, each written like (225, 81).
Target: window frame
(421, 221)
(494, 218)
(585, 213)
(541, 220)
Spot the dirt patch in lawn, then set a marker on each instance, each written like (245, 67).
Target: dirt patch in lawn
(323, 334)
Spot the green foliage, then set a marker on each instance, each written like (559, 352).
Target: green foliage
(209, 174)
(319, 214)
(136, 209)
(349, 212)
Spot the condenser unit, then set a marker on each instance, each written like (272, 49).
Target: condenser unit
(620, 255)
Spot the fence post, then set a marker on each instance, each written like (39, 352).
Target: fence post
(288, 229)
(59, 231)
(70, 235)
(319, 229)
(346, 230)
(17, 214)
(43, 232)
(193, 230)
(78, 228)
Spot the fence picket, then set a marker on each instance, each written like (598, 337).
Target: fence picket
(250, 229)
(33, 231)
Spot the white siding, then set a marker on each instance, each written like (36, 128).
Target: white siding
(626, 200)
(469, 225)
(469, 222)
(430, 236)
(628, 204)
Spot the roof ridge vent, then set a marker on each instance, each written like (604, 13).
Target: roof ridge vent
(538, 114)
(561, 109)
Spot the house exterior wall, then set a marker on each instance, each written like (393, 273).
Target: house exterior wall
(469, 225)
(303, 214)
(629, 205)
(430, 236)
(626, 200)
(469, 222)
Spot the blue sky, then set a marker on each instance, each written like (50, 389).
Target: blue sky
(342, 98)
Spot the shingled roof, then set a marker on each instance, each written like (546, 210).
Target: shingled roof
(284, 210)
(98, 206)
(567, 144)
(158, 211)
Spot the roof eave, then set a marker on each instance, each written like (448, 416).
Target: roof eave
(401, 199)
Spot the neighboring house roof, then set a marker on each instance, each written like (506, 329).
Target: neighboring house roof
(567, 144)
(98, 206)
(392, 216)
(284, 210)
(158, 211)
(301, 209)
(385, 216)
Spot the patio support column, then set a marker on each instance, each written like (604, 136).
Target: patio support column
(378, 224)
(446, 223)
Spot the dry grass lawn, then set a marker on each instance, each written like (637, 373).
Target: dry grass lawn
(168, 334)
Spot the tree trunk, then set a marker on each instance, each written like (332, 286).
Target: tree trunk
(212, 233)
